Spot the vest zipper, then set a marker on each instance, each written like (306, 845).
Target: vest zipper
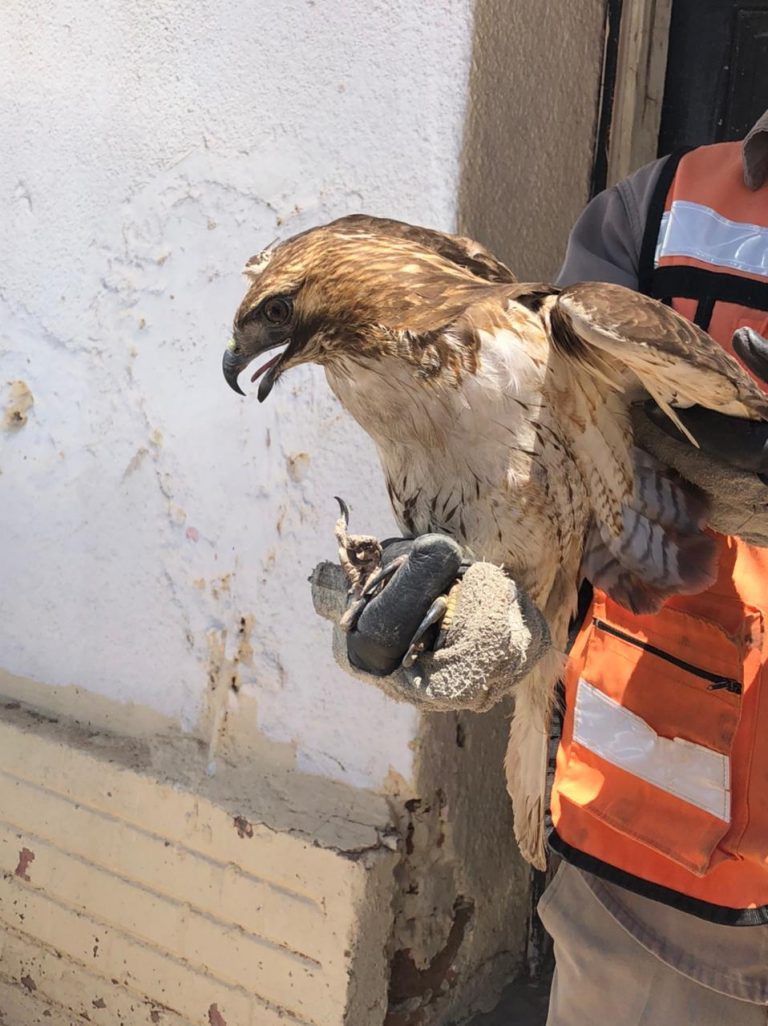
(717, 683)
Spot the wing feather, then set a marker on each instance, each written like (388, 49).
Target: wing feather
(673, 360)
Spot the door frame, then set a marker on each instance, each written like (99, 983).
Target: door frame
(632, 91)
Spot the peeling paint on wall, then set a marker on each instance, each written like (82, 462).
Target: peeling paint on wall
(140, 473)
(225, 676)
(243, 827)
(297, 465)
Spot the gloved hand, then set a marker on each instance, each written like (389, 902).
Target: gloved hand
(495, 635)
(731, 465)
(399, 617)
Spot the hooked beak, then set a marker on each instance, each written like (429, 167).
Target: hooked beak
(232, 365)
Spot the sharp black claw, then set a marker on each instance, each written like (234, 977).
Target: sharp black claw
(435, 613)
(344, 509)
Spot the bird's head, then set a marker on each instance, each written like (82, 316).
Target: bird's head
(351, 289)
(273, 316)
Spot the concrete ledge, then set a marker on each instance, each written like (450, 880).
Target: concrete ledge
(136, 889)
(139, 887)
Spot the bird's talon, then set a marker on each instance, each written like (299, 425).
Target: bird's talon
(349, 620)
(351, 615)
(359, 554)
(344, 508)
(383, 574)
(451, 601)
(435, 614)
(410, 657)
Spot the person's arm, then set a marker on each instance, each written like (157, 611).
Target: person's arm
(605, 242)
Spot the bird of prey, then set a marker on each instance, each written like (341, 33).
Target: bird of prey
(501, 415)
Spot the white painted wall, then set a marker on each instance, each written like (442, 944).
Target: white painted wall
(150, 147)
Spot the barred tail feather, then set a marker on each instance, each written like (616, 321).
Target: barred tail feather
(665, 497)
(662, 549)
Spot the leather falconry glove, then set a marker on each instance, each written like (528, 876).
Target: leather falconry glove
(489, 637)
(731, 463)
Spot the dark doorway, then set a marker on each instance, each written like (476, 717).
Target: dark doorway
(717, 72)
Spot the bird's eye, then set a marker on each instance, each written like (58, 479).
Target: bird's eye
(277, 310)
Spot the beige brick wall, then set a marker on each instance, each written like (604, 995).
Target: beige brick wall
(128, 899)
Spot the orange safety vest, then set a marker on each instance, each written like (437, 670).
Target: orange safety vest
(661, 779)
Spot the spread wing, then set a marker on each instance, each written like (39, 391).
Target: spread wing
(637, 340)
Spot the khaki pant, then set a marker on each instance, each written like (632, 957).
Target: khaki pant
(604, 977)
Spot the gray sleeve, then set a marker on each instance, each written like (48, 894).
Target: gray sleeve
(605, 242)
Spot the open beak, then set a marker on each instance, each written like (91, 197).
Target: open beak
(234, 363)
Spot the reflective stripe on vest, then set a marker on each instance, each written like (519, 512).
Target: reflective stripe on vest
(709, 254)
(683, 769)
(694, 230)
(660, 773)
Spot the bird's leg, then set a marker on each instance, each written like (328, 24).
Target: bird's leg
(441, 611)
(359, 554)
(371, 586)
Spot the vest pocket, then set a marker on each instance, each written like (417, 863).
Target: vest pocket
(653, 708)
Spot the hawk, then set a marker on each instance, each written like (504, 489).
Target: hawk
(501, 415)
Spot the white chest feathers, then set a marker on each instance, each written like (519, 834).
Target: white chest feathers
(474, 457)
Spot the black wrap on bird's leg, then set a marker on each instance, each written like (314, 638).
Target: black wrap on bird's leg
(426, 568)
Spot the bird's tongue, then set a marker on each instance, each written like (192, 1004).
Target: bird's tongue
(265, 367)
(269, 372)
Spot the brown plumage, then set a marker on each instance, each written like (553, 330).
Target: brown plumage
(500, 414)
